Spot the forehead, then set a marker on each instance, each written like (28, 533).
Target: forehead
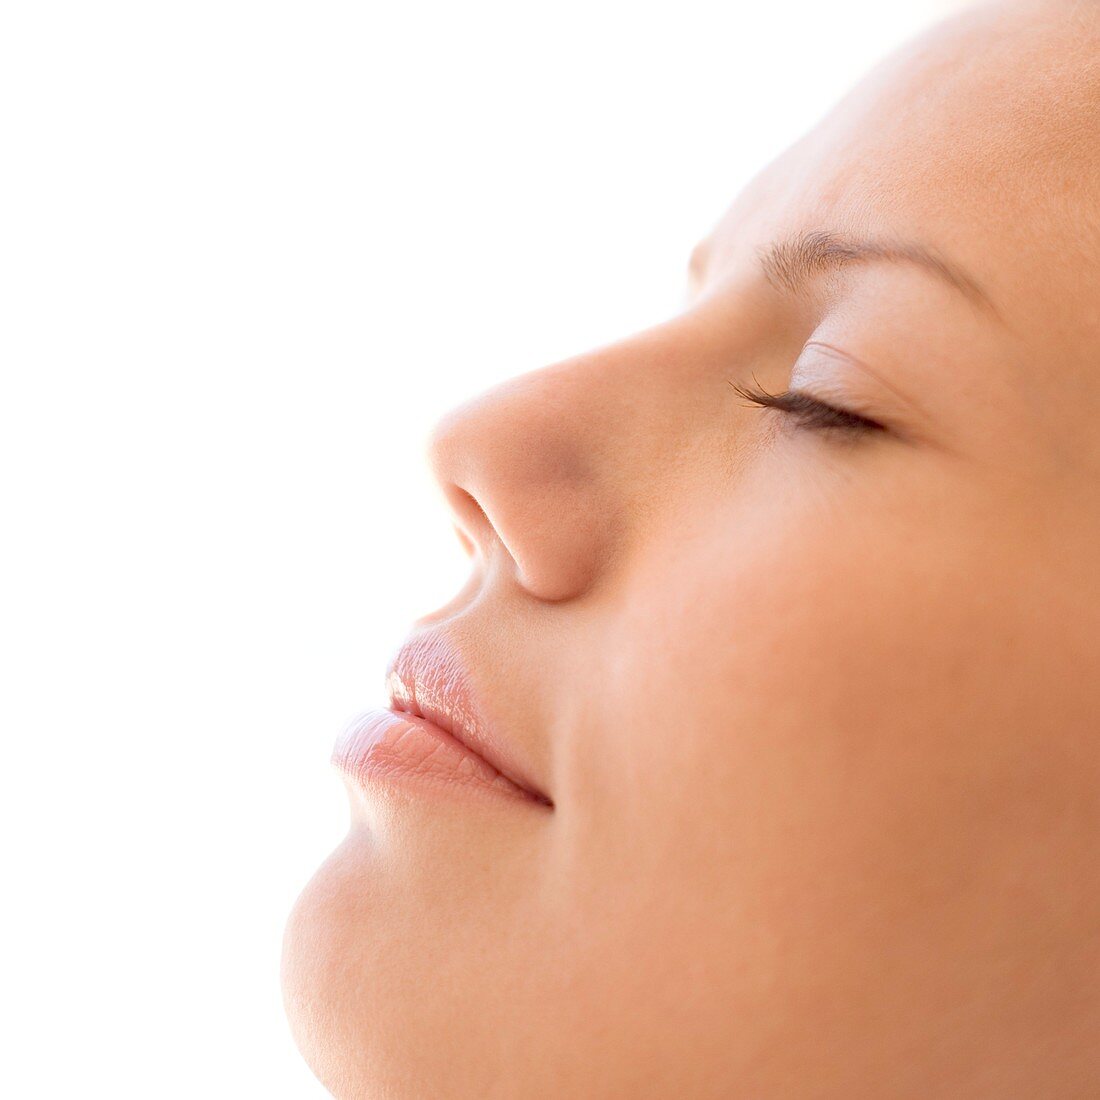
(980, 140)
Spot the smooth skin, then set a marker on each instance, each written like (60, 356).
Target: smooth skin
(818, 709)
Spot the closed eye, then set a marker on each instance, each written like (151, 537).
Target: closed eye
(809, 412)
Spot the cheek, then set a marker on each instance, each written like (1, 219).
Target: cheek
(835, 766)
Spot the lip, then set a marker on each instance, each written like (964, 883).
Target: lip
(435, 731)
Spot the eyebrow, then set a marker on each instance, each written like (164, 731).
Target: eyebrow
(790, 263)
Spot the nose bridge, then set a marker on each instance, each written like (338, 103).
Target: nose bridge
(531, 464)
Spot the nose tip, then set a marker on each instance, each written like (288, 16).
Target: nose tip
(519, 471)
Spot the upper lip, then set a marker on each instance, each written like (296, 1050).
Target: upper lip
(427, 677)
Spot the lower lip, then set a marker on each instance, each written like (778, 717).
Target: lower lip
(384, 748)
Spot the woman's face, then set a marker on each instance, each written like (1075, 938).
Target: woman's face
(816, 706)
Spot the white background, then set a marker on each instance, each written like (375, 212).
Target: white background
(249, 253)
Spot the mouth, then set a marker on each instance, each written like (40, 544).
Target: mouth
(435, 729)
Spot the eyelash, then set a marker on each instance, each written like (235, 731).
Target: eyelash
(809, 411)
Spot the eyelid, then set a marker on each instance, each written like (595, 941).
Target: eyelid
(812, 411)
(901, 414)
(842, 412)
(818, 363)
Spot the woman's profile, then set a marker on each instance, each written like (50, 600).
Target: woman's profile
(760, 755)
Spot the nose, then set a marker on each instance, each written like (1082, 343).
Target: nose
(529, 469)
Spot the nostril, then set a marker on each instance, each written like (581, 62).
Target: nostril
(471, 524)
(467, 542)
